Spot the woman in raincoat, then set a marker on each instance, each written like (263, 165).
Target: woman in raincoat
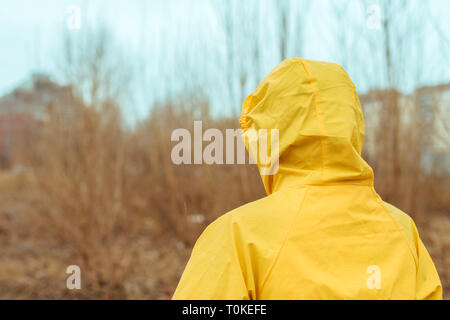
(322, 232)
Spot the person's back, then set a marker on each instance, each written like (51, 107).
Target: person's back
(322, 232)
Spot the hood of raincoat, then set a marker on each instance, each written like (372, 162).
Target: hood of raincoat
(315, 107)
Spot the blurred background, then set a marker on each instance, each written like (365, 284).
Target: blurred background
(90, 92)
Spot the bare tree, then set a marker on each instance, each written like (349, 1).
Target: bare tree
(290, 24)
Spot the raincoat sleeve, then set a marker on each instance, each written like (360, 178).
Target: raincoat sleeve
(428, 284)
(213, 271)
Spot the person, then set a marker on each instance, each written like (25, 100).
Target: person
(322, 232)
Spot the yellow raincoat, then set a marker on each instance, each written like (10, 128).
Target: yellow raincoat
(322, 232)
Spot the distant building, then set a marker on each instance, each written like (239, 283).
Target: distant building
(434, 107)
(430, 104)
(26, 106)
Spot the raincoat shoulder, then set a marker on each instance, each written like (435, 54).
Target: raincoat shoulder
(233, 256)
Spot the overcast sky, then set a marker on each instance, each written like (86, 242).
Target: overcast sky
(30, 31)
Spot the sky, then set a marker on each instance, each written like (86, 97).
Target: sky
(31, 31)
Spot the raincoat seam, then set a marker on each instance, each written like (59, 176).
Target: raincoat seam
(319, 113)
(399, 228)
(275, 259)
(359, 113)
(338, 86)
(238, 260)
